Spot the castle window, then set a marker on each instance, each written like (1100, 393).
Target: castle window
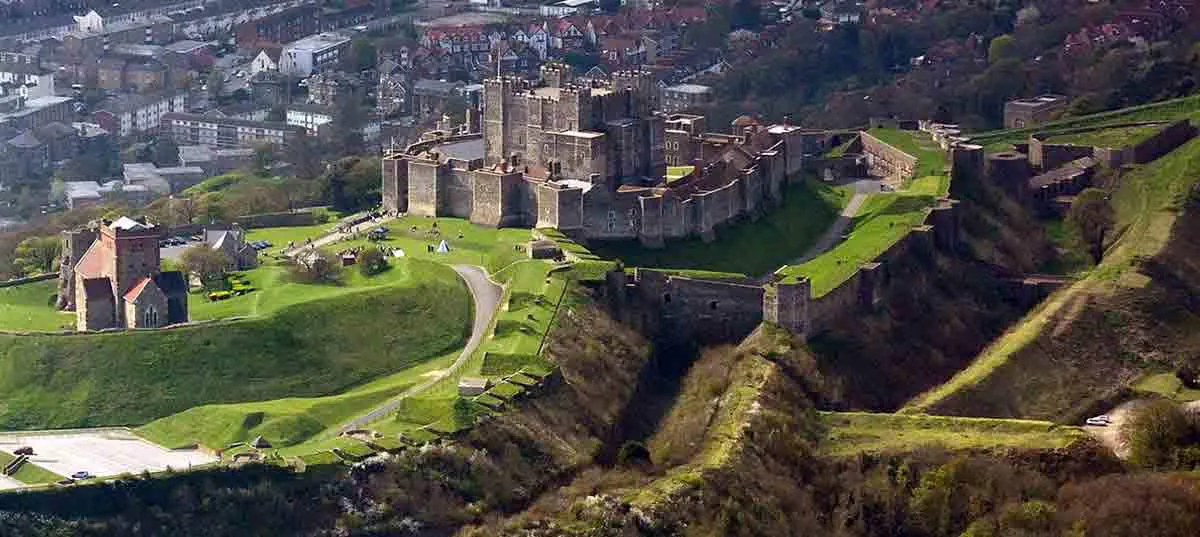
(150, 317)
(666, 298)
(612, 221)
(712, 305)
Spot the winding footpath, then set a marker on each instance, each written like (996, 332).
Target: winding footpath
(837, 231)
(486, 296)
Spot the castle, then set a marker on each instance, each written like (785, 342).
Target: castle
(589, 157)
(117, 281)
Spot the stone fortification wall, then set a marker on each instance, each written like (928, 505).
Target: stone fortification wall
(292, 219)
(884, 160)
(1048, 156)
(686, 309)
(395, 183)
(74, 245)
(28, 279)
(1164, 141)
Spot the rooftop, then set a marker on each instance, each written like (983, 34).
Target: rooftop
(695, 89)
(467, 150)
(317, 43)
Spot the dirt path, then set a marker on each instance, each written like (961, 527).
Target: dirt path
(486, 295)
(336, 236)
(833, 236)
(1110, 436)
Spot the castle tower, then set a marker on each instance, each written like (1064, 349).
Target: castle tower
(641, 88)
(75, 244)
(786, 304)
(556, 75)
(497, 96)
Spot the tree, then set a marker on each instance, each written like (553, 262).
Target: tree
(352, 183)
(264, 158)
(209, 264)
(1092, 216)
(305, 155)
(37, 255)
(315, 266)
(216, 84)
(1002, 48)
(609, 6)
(164, 152)
(347, 124)
(371, 261)
(363, 56)
(1155, 433)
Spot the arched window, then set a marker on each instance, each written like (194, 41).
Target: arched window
(150, 317)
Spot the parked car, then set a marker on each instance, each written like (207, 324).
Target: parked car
(82, 474)
(24, 450)
(1099, 421)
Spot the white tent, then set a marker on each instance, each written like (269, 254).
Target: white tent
(397, 253)
(443, 248)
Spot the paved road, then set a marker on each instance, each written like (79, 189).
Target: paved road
(833, 235)
(486, 295)
(331, 238)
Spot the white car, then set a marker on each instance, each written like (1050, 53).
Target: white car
(81, 475)
(1099, 421)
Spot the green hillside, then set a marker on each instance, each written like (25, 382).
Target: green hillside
(1183, 108)
(312, 349)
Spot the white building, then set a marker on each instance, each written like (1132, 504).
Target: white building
(266, 60)
(130, 114)
(309, 116)
(22, 74)
(313, 53)
(564, 8)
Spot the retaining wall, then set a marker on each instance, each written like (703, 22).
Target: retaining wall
(29, 279)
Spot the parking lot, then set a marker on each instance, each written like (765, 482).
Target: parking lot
(173, 252)
(100, 452)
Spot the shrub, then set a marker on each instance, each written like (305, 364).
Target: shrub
(633, 453)
(219, 295)
(371, 262)
(1157, 433)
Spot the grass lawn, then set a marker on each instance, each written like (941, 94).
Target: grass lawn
(750, 248)
(675, 173)
(1166, 385)
(30, 473)
(31, 307)
(1146, 203)
(313, 349)
(851, 433)
(882, 221)
(1111, 138)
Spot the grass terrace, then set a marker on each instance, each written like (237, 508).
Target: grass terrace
(1174, 109)
(931, 160)
(851, 433)
(1166, 385)
(1111, 138)
(882, 221)
(750, 248)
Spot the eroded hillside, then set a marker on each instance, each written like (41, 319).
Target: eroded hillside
(1135, 313)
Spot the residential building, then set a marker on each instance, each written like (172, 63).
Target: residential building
(564, 8)
(129, 114)
(328, 87)
(214, 161)
(162, 181)
(685, 97)
(313, 53)
(20, 113)
(429, 97)
(23, 74)
(89, 193)
(195, 129)
(267, 60)
(288, 25)
(309, 116)
(392, 92)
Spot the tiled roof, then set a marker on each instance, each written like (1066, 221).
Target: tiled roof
(93, 262)
(134, 292)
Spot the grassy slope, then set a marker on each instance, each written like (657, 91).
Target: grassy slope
(30, 473)
(856, 432)
(1186, 107)
(749, 248)
(1147, 203)
(931, 160)
(309, 350)
(31, 307)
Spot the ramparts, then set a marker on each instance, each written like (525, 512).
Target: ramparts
(884, 160)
